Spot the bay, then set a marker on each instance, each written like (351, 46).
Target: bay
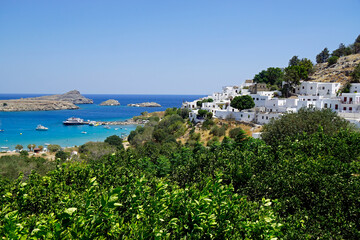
(19, 127)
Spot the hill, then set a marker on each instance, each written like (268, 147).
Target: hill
(338, 72)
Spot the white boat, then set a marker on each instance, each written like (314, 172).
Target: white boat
(74, 121)
(107, 127)
(1, 130)
(84, 132)
(41, 128)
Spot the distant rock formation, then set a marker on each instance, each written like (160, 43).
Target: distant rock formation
(45, 103)
(144, 104)
(110, 102)
(73, 96)
(16, 105)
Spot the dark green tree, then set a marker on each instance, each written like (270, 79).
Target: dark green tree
(62, 155)
(355, 75)
(306, 120)
(272, 76)
(242, 102)
(116, 141)
(332, 60)
(341, 51)
(294, 61)
(357, 45)
(323, 56)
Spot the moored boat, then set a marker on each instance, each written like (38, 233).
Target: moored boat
(41, 128)
(74, 121)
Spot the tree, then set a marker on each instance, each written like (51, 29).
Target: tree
(306, 120)
(341, 51)
(294, 61)
(332, 60)
(115, 140)
(202, 113)
(19, 147)
(41, 148)
(292, 78)
(355, 75)
(357, 45)
(323, 56)
(31, 147)
(242, 102)
(54, 148)
(272, 76)
(62, 155)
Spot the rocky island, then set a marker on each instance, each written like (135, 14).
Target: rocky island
(110, 102)
(144, 104)
(45, 103)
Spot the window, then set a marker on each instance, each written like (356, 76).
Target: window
(344, 108)
(257, 99)
(325, 105)
(267, 118)
(262, 117)
(336, 107)
(323, 88)
(303, 87)
(350, 108)
(311, 88)
(345, 99)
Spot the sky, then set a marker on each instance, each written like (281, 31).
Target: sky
(161, 47)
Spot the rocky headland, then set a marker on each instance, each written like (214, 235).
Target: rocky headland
(110, 102)
(17, 105)
(73, 96)
(144, 104)
(45, 103)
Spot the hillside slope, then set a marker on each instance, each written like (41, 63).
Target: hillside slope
(339, 72)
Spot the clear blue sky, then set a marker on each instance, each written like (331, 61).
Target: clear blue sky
(161, 47)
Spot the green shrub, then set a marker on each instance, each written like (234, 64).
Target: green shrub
(332, 60)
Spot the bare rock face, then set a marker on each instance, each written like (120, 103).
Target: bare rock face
(16, 105)
(73, 96)
(110, 102)
(144, 104)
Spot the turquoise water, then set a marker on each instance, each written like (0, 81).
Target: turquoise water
(19, 127)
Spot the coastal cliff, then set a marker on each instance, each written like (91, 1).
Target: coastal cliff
(73, 96)
(45, 103)
(17, 105)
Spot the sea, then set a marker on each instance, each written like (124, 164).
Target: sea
(19, 127)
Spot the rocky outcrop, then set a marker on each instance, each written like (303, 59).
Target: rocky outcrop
(34, 105)
(338, 72)
(73, 96)
(144, 104)
(110, 102)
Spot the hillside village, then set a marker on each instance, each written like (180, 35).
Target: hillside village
(324, 89)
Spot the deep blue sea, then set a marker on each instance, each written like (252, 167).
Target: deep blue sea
(19, 127)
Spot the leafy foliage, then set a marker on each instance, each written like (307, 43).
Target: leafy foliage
(304, 187)
(355, 75)
(306, 120)
(332, 60)
(323, 56)
(272, 76)
(242, 102)
(116, 141)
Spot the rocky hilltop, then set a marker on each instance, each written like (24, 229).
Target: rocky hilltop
(338, 72)
(15, 105)
(73, 96)
(110, 102)
(144, 104)
(45, 103)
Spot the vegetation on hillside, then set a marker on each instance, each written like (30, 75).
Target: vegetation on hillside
(303, 187)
